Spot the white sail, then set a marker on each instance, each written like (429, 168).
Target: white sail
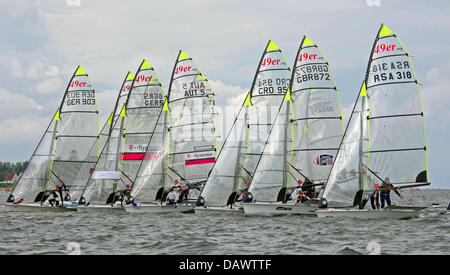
(308, 129)
(133, 123)
(185, 146)
(385, 137)
(244, 144)
(63, 157)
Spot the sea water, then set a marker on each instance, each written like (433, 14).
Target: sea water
(226, 233)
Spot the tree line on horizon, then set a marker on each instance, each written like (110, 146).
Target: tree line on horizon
(11, 167)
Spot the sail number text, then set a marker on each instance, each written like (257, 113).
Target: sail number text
(80, 97)
(266, 86)
(312, 72)
(397, 71)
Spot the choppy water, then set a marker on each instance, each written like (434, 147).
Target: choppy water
(231, 234)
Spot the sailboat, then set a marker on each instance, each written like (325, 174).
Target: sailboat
(244, 144)
(62, 160)
(134, 118)
(303, 142)
(182, 150)
(384, 142)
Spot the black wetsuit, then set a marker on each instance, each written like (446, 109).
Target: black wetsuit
(308, 189)
(53, 200)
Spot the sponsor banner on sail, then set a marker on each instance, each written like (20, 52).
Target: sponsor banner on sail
(138, 152)
(106, 175)
(324, 160)
(200, 158)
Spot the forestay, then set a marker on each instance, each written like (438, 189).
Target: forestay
(385, 138)
(308, 129)
(244, 144)
(62, 157)
(185, 146)
(139, 106)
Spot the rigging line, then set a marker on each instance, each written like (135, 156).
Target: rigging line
(173, 170)
(395, 150)
(314, 63)
(66, 136)
(386, 56)
(123, 173)
(307, 118)
(279, 69)
(60, 180)
(376, 117)
(298, 171)
(315, 88)
(87, 112)
(186, 75)
(248, 172)
(74, 161)
(315, 149)
(91, 90)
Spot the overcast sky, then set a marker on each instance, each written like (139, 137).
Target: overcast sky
(42, 42)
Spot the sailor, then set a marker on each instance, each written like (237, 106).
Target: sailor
(53, 199)
(172, 197)
(245, 197)
(374, 198)
(385, 192)
(18, 202)
(66, 196)
(302, 197)
(308, 189)
(127, 199)
(184, 189)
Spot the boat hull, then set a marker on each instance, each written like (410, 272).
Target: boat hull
(218, 209)
(392, 213)
(275, 209)
(99, 208)
(157, 208)
(31, 207)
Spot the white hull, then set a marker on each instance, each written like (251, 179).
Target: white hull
(392, 213)
(221, 209)
(273, 209)
(37, 207)
(95, 208)
(158, 208)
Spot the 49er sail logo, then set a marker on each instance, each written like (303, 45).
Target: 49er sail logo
(306, 56)
(269, 61)
(183, 69)
(77, 83)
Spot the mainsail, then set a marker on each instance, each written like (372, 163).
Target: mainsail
(244, 144)
(108, 126)
(184, 144)
(63, 157)
(308, 129)
(385, 137)
(136, 112)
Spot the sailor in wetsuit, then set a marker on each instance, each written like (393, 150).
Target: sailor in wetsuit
(374, 198)
(385, 192)
(127, 199)
(308, 189)
(53, 199)
(172, 197)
